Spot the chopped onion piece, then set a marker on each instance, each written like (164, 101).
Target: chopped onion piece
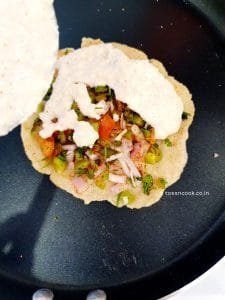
(119, 136)
(117, 188)
(70, 165)
(111, 106)
(124, 166)
(70, 155)
(132, 166)
(114, 157)
(116, 117)
(80, 184)
(117, 178)
(69, 147)
(92, 156)
(99, 171)
(122, 122)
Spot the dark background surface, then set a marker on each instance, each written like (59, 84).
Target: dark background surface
(48, 239)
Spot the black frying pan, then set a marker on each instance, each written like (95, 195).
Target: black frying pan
(48, 239)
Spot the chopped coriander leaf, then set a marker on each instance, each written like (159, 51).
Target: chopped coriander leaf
(168, 142)
(185, 115)
(147, 183)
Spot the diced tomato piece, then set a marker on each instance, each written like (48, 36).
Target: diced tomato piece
(107, 124)
(47, 146)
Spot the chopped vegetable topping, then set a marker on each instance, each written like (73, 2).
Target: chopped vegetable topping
(124, 198)
(107, 124)
(75, 107)
(47, 146)
(147, 183)
(79, 153)
(149, 135)
(133, 118)
(185, 115)
(81, 166)
(48, 94)
(168, 142)
(129, 134)
(59, 163)
(154, 155)
(102, 179)
(101, 89)
(160, 183)
(119, 156)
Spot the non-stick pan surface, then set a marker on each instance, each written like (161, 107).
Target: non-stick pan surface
(47, 238)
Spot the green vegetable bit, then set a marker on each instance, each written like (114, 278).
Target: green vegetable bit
(117, 143)
(168, 142)
(100, 97)
(81, 166)
(107, 152)
(128, 135)
(90, 173)
(95, 125)
(48, 94)
(40, 107)
(101, 89)
(59, 163)
(138, 121)
(160, 183)
(133, 118)
(147, 183)
(185, 115)
(62, 137)
(75, 107)
(154, 155)
(125, 197)
(102, 180)
(37, 124)
(79, 153)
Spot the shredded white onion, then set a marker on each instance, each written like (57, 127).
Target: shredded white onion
(70, 155)
(119, 136)
(124, 166)
(69, 147)
(131, 166)
(70, 165)
(117, 178)
(80, 184)
(92, 156)
(111, 106)
(116, 117)
(127, 145)
(117, 188)
(122, 122)
(99, 171)
(114, 157)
